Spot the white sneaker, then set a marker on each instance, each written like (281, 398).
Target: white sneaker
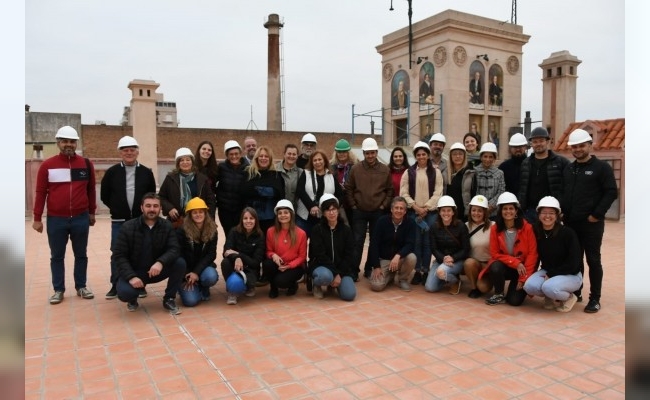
(232, 300)
(250, 292)
(567, 305)
(318, 292)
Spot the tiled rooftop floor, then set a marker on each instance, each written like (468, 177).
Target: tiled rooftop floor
(389, 345)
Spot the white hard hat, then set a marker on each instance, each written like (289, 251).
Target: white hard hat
(579, 136)
(308, 137)
(507, 198)
(369, 144)
(457, 146)
(438, 137)
(549, 201)
(421, 145)
(446, 201)
(284, 203)
(488, 147)
(480, 201)
(183, 152)
(67, 132)
(231, 144)
(518, 139)
(127, 141)
(325, 197)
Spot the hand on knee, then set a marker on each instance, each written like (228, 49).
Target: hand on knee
(441, 274)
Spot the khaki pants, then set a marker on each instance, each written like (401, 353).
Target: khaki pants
(405, 268)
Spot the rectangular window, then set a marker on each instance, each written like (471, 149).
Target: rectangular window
(140, 92)
(548, 73)
(571, 70)
(559, 71)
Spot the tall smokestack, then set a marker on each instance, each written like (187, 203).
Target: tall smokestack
(273, 95)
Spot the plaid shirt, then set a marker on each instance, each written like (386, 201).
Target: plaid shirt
(490, 183)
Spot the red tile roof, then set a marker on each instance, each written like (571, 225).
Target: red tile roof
(608, 134)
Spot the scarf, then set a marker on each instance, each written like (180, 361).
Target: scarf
(186, 193)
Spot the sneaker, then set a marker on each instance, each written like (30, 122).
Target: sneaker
(302, 278)
(56, 298)
(250, 292)
(495, 299)
(404, 286)
(170, 304)
(111, 294)
(474, 294)
(142, 293)
(318, 292)
(549, 303)
(205, 293)
(84, 293)
(567, 305)
(593, 306)
(132, 305)
(454, 288)
(417, 278)
(273, 292)
(579, 296)
(232, 300)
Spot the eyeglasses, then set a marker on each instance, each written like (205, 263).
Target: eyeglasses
(331, 210)
(547, 213)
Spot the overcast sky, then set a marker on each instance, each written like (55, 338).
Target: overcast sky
(210, 57)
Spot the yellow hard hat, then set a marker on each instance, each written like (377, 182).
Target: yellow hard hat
(196, 203)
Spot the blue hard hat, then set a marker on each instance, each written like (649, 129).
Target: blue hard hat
(236, 283)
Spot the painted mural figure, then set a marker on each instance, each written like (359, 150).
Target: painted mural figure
(495, 92)
(400, 97)
(426, 90)
(476, 89)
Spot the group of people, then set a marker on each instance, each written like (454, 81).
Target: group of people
(305, 218)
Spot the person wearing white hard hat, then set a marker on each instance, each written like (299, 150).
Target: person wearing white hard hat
(421, 186)
(511, 167)
(66, 184)
(286, 251)
(437, 144)
(559, 254)
(589, 191)
(541, 174)
(489, 180)
(331, 253)
(250, 147)
(369, 191)
(182, 184)
(479, 226)
(244, 252)
(513, 253)
(460, 179)
(450, 247)
(307, 147)
(231, 174)
(121, 189)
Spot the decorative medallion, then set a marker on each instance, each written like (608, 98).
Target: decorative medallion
(440, 56)
(513, 64)
(388, 71)
(460, 56)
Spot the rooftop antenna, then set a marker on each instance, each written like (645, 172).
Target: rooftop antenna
(513, 15)
(251, 124)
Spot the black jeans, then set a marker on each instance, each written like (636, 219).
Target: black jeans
(283, 280)
(499, 274)
(590, 237)
(363, 221)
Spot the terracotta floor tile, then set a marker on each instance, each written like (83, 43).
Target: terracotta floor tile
(319, 384)
(365, 389)
(215, 390)
(172, 385)
(259, 395)
(245, 384)
(347, 376)
(139, 392)
(98, 386)
(392, 382)
(336, 394)
(290, 391)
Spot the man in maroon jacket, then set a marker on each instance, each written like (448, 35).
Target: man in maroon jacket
(67, 183)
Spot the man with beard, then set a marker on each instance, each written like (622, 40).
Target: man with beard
(589, 190)
(250, 147)
(437, 145)
(540, 174)
(307, 147)
(147, 251)
(67, 183)
(512, 167)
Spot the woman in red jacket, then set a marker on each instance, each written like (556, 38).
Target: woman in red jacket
(513, 252)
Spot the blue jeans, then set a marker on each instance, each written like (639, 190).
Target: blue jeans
(322, 276)
(59, 229)
(115, 231)
(422, 242)
(363, 221)
(434, 284)
(208, 278)
(558, 287)
(173, 273)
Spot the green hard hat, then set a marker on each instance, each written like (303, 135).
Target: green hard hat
(342, 145)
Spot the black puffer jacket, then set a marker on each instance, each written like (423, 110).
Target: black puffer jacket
(449, 241)
(197, 255)
(332, 248)
(554, 170)
(230, 179)
(589, 189)
(251, 248)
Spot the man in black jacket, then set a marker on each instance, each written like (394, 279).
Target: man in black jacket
(122, 189)
(540, 174)
(147, 251)
(589, 190)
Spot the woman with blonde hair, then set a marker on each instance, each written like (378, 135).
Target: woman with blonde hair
(198, 242)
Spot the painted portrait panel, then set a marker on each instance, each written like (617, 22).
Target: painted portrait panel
(400, 91)
(426, 84)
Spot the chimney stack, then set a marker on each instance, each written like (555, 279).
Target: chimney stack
(273, 95)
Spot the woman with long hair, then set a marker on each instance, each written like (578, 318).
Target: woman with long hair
(243, 252)
(450, 247)
(460, 177)
(198, 242)
(207, 162)
(472, 143)
(421, 186)
(478, 225)
(182, 184)
(513, 252)
(397, 164)
(286, 251)
(315, 181)
(263, 187)
(559, 253)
